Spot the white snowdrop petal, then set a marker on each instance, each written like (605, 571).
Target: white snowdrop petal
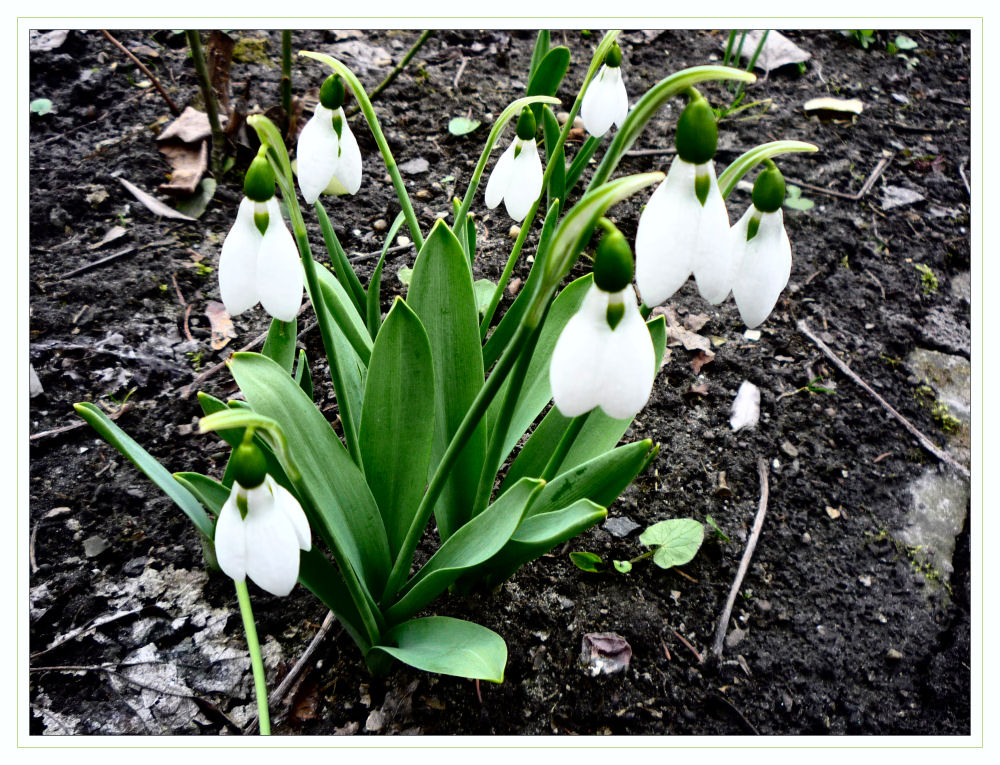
(230, 540)
(293, 511)
(348, 170)
(499, 180)
(714, 266)
(621, 100)
(667, 234)
(238, 262)
(279, 273)
(600, 102)
(746, 407)
(629, 364)
(272, 547)
(764, 270)
(317, 153)
(574, 372)
(525, 184)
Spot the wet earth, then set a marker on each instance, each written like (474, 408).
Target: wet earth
(854, 615)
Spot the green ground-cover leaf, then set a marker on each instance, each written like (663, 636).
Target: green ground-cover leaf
(447, 646)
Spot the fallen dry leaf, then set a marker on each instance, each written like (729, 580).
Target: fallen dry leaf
(834, 108)
(191, 127)
(778, 50)
(222, 326)
(153, 204)
(188, 162)
(113, 234)
(695, 321)
(605, 653)
(701, 389)
(701, 359)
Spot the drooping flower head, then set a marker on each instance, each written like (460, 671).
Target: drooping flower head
(259, 262)
(605, 103)
(261, 527)
(517, 176)
(604, 356)
(761, 250)
(685, 227)
(328, 158)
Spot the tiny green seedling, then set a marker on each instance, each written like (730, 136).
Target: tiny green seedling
(928, 279)
(795, 200)
(462, 125)
(719, 533)
(672, 543)
(40, 106)
(863, 37)
(810, 387)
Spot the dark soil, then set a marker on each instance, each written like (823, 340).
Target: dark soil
(838, 628)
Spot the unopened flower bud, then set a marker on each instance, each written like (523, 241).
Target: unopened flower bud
(697, 133)
(769, 189)
(613, 267)
(331, 94)
(526, 125)
(258, 183)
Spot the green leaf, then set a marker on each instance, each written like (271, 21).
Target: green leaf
(341, 265)
(905, 43)
(447, 646)
(581, 160)
(676, 541)
(796, 201)
(443, 297)
(539, 51)
(471, 545)
(196, 204)
(557, 183)
(600, 480)
(323, 580)
(715, 527)
(209, 492)
(535, 537)
(548, 76)
(302, 374)
(280, 343)
(397, 423)
(146, 463)
(599, 434)
(342, 507)
(462, 125)
(587, 561)
(40, 106)
(747, 161)
(405, 276)
(484, 292)
(350, 323)
(622, 566)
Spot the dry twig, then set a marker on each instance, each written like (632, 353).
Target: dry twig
(152, 78)
(921, 438)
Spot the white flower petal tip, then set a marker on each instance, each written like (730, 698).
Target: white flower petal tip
(677, 235)
(265, 545)
(326, 162)
(593, 365)
(746, 407)
(516, 179)
(764, 266)
(605, 103)
(261, 268)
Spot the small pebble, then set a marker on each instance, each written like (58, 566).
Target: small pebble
(380, 225)
(893, 654)
(514, 231)
(423, 194)
(865, 580)
(402, 241)
(788, 448)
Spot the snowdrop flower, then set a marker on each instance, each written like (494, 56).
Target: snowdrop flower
(517, 175)
(604, 356)
(605, 103)
(761, 250)
(685, 227)
(259, 261)
(328, 158)
(261, 527)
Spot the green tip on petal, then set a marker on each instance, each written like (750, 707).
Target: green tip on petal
(613, 265)
(331, 95)
(769, 189)
(614, 314)
(526, 125)
(614, 57)
(697, 132)
(258, 183)
(249, 465)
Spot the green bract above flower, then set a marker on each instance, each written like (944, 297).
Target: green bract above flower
(595, 365)
(516, 179)
(679, 233)
(262, 538)
(328, 154)
(257, 267)
(763, 264)
(605, 103)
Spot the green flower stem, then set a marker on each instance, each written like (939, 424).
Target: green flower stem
(396, 70)
(650, 104)
(749, 160)
(643, 556)
(499, 429)
(562, 448)
(286, 72)
(211, 103)
(526, 224)
(253, 646)
(278, 157)
(373, 124)
(403, 562)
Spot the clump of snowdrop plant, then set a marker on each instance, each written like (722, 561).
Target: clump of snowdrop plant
(342, 511)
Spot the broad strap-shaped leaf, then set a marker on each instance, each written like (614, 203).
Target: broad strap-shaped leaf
(280, 343)
(535, 537)
(344, 314)
(148, 464)
(599, 434)
(234, 437)
(397, 424)
(442, 295)
(447, 646)
(474, 543)
(557, 183)
(548, 75)
(600, 480)
(342, 507)
(323, 580)
(302, 374)
(343, 270)
(209, 492)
